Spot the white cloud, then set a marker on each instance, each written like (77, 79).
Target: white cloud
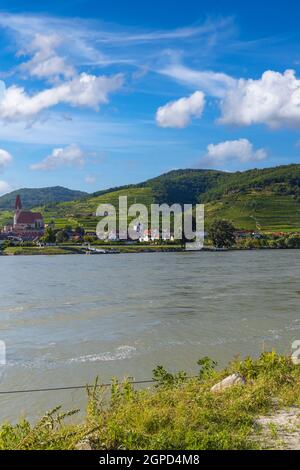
(233, 150)
(72, 155)
(213, 83)
(46, 63)
(89, 35)
(46, 36)
(83, 90)
(5, 159)
(274, 100)
(179, 113)
(4, 187)
(90, 179)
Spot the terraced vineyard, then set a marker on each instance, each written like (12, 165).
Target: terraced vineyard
(83, 212)
(267, 199)
(263, 211)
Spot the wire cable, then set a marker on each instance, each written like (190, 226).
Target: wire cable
(78, 387)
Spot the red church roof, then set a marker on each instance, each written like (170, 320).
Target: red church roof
(28, 217)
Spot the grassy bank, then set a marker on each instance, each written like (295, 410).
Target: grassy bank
(34, 250)
(176, 413)
(73, 249)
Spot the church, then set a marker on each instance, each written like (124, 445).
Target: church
(26, 220)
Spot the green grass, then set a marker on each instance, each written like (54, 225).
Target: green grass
(5, 218)
(67, 249)
(177, 413)
(32, 250)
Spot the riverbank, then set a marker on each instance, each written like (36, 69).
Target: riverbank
(178, 412)
(79, 250)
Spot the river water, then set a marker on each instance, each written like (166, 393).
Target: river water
(67, 319)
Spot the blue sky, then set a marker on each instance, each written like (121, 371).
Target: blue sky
(100, 94)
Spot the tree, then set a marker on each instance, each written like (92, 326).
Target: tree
(272, 244)
(293, 241)
(221, 232)
(79, 231)
(89, 239)
(49, 236)
(281, 242)
(61, 236)
(6, 244)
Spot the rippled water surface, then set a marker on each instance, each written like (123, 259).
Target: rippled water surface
(67, 319)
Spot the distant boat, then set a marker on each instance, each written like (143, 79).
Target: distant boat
(98, 250)
(101, 251)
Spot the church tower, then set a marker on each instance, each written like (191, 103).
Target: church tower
(18, 204)
(18, 209)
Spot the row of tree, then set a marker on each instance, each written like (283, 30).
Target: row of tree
(222, 234)
(60, 236)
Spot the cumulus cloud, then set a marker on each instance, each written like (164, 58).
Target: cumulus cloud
(83, 90)
(273, 100)
(5, 159)
(4, 187)
(72, 155)
(233, 150)
(45, 62)
(179, 113)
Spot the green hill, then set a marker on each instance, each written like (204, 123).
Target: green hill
(82, 211)
(268, 199)
(184, 186)
(32, 197)
(258, 210)
(180, 186)
(282, 180)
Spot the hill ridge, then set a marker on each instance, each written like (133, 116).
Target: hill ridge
(32, 197)
(268, 197)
